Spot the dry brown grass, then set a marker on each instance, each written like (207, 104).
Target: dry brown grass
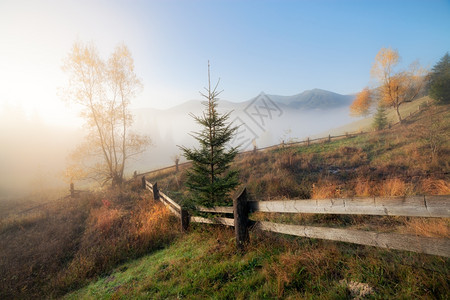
(36, 246)
(60, 247)
(428, 227)
(324, 190)
(393, 187)
(114, 235)
(432, 186)
(363, 188)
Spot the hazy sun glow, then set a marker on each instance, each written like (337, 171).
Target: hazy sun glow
(279, 48)
(35, 38)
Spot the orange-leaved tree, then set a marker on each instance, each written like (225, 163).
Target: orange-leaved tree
(394, 87)
(361, 104)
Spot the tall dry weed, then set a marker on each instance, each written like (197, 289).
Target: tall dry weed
(393, 187)
(325, 189)
(429, 227)
(363, 188)
(103, 219)
(433, 186)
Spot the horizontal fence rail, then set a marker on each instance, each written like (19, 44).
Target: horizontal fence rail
(427, 245)
(221, 221)
(409, 206)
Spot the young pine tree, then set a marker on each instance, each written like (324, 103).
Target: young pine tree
(210, 180)
(380, 119)
(440, 80)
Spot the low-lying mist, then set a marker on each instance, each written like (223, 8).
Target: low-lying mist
(172, 127)
(33, 154)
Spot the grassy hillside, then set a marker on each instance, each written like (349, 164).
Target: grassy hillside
(204, 264)
(365, 124)
(92, 242)
(413, 158)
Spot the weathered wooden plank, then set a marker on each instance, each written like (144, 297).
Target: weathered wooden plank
(414, 206)
(166, 198)
(166, 203)
(173, 210)
(149, 185)
(434, 246)
(438, 205)
(223, 221)
(217, 209)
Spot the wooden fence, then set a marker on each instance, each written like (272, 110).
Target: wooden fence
(410, 206)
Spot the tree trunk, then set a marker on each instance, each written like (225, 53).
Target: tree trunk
(398, 115)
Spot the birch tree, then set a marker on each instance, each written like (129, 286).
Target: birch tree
(104, 90)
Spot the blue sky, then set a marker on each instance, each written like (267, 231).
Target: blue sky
(279, 47)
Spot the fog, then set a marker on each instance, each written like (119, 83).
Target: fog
(172, 127)
(33, 154)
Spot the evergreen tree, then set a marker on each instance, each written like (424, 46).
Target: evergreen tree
(380, 119)
(440, 80)
(210, 180)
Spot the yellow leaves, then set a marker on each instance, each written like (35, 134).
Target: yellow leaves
(362, 103)
(105, 90)
(385, 61)
(394, 87)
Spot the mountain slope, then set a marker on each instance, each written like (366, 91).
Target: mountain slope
(314, 99)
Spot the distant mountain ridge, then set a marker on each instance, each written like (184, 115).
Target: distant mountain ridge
(309, 99)
(264, 120)
(314, 99)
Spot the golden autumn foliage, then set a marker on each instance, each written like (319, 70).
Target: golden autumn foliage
(385, 62)
(394, 87)
(104, 90)
(362, 102)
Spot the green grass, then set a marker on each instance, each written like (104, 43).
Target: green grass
(205, 265)
(365, 124)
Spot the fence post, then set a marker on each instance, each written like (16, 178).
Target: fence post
(177, 160)
(144, 183)
(307, 141)
(346, 134)
(72, 190)
(240, 210)
(184, 220)
(329, 138)
(155, 192)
